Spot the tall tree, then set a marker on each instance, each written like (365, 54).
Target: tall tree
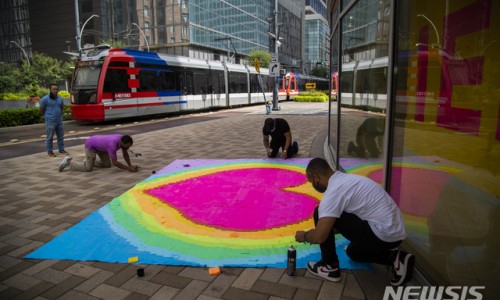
(262, 56)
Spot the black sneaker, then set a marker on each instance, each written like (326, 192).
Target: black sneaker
(295, 146)
(324, 271)
(402, 268)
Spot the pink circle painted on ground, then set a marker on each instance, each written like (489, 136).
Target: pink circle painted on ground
(243, 200)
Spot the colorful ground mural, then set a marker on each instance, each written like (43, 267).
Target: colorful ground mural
(203, 213)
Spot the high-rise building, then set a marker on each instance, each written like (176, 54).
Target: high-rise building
(317, 48)
(205, 29)
(15, 36)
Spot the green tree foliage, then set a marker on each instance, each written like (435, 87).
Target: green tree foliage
(320, 71)
(264, 58)
(114, 44)
(34, 79)
(43, 71)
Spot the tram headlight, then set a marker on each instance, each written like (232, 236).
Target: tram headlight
(93, 98)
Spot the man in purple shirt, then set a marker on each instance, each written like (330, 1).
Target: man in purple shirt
(104, 146)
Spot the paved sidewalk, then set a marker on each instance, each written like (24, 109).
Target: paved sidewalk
(37, 203)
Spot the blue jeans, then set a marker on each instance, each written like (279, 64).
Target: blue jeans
(57, 128)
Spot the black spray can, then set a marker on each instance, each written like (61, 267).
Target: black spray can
(291, 261)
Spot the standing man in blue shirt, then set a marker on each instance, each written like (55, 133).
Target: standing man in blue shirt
(51, 107)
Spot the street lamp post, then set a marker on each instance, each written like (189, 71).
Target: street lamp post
(79, 36)
(434, 27)
(276, 45)
(24, 52)
(143, 35)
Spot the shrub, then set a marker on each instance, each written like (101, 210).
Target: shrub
(10, 96)
(64, 94)
(311, 96)
(21, 116)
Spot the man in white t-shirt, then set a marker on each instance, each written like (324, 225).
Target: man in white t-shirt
(363, 212)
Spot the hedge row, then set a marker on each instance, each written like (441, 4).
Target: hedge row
(26, 116)
(23, 96)
(20, 116)
(311, 96)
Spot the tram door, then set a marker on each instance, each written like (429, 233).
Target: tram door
(187, 87)
(216, 88)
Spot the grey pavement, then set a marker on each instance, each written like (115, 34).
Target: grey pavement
(37, 203)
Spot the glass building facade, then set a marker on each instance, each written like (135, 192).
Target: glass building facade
(233, 25)
(418, 110)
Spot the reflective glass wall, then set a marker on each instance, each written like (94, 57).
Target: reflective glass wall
(423, 120)
(446, 161)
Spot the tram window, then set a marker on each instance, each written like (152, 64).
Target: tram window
(254, 84)
(187, 82)
(379, 81)
(200, 81)
(215, 85)
(222, 83)
(346, 79)
(237, 83)
(148, 81)
(167, 81)
(116, 80)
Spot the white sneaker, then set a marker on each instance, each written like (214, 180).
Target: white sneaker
(324, 271)
(65, 163)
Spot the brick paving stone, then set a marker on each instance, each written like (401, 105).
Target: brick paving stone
(165, 293)
(331, 290)
(10, 293)
(81, 270)
(151, 271)
(93, 281)
(219, 286)
(7, 248)
(105, 291)
(18, 241)
(39, 267)
(135, 296)
(192, 290)
(75, 295)
(9, 261)
(234, 271)
(173, 269)
(196, 273)
(51, 275)
(274, 289)
(10, 272)
(21, 281)
(141, 286)
(35, 231)
(63, 287)
(272, 274)
(34, 291)
(169, 279)
(305, 294)
(239, 294)
(62, 264)
(121, 277)
(205, 297)
(301, 282)
(42, 237)
(115, 268)
(352, 289)
(247, 278)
